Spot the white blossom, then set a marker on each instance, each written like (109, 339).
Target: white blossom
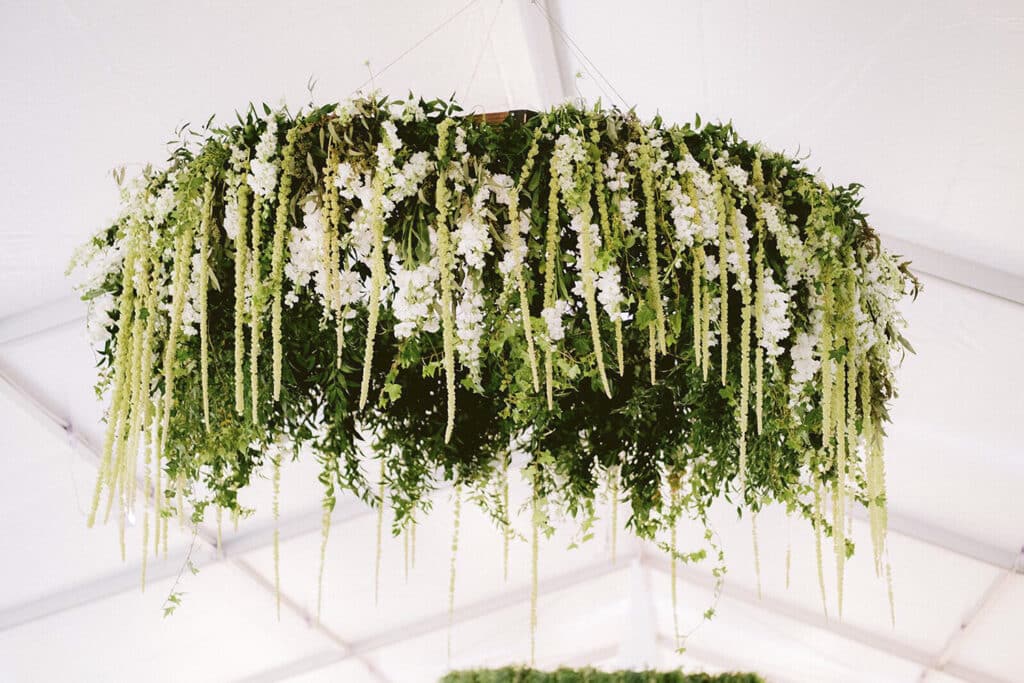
(552, 316)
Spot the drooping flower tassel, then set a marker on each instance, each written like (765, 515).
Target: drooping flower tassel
(121, 359)
(446, 263)
(724, 207)
(277, 254)
(519, 248)
(757, 551)
(376, 281)
(839, 490)
(182, 276)
(587, 275)
(256, 310)
(645, 159)
(605, 222)
(743, 276)
(204, 279)
(550, 249)
(241, 268)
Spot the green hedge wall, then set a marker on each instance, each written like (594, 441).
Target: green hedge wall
(522, 675)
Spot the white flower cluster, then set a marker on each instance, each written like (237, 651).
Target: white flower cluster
(552, 316)
(805, 358)
(616, 179)
(469, 324)
(684, 216)
(417, 302)
(737, 266)
(789, 243)
(774, 315)
(568, 151)
(263, 168)
(305, 252)
(609, 293)
(472, 241)
(236, 175)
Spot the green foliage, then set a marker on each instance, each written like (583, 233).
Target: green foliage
(527, 675)
(678, 437)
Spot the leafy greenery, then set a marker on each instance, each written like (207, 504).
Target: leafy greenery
(668, 307)
(525, 675)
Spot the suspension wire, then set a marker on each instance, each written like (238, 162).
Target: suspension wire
(483, 47)
(415, 45)
(573, 45)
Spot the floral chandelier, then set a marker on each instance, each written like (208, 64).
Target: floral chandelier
(664, 312)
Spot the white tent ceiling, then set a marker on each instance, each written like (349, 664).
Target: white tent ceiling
(919, 101)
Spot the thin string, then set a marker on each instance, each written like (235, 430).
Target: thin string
(605, 96)
(415, 45)
(572, 45)
(483, 46)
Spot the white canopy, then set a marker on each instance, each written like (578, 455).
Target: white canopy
(920, 102)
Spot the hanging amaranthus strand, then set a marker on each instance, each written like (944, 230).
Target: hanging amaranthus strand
(724, 202)
(587, 273)
(446, 263)
(115, 416)
(241, 268)
(518, 247)
(594, 154)
(284, 199)
(743, 277)
(256, 307)
(204, 281)
(550, 247)
(376, 282)
(757, 173)
(651, 223)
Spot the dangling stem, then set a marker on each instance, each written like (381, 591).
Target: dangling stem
(818, 521)
(534, 552)
(325, 532)
(220, 537)
(613, 486)
(724, 210)
(757, 551)
(506, 535)
(451, 568)
(380, 534)
(674, 552)
(277, 533)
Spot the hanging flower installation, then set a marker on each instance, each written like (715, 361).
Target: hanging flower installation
(665, 309)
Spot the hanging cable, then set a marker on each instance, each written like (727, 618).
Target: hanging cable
(573, 45)
(415, 45)
(483, 46)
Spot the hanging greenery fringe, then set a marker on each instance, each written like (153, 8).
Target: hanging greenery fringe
(452, 252)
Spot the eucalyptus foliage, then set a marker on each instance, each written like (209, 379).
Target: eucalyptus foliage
(414, 296)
